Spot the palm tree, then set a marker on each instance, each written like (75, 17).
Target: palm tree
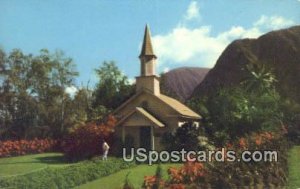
(260, 79)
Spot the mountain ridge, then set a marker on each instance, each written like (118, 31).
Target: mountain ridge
(279, 50)
(180, 82)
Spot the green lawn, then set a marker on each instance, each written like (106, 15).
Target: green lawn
(29, 163)
(136, 176)
(51, 171)
(24, 165)
(294, 168)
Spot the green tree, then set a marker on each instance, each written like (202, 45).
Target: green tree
(260, 79)
(80, 107)
(113, 87)
(237, 111)
(33, 96)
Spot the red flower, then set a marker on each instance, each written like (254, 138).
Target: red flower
(242, 143)
(258, 141)
(22, 147)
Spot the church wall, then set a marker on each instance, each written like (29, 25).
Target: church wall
(132, 131)
(150, 83)
(154, 106)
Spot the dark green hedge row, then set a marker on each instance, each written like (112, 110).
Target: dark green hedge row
(67, 177)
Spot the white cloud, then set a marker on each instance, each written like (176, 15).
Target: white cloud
(199, 47)
(183, 45)
(273, 22)
(237, 32)
(166, 69)
(131, 81)
(71, 90)
(196, 46)
(192, 11)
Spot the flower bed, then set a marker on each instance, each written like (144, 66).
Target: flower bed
(22, 147)
(237, 174)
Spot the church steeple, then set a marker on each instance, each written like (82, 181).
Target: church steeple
(148, 80)
(147, 49)
(147, 56)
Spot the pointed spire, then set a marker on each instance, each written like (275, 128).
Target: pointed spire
(147, 49)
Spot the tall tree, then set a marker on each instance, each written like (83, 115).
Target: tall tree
(33, 94)
(113, 87)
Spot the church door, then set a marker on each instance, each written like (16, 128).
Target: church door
(145, 137)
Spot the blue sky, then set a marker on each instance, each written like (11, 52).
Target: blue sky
(185, 33)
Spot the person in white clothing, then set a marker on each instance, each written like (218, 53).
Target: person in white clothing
(105, 148)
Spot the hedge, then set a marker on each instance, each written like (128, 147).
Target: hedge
(67, 177)
(11, 148)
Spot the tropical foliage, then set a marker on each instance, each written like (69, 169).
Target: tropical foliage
(235, 112)
(232, 174)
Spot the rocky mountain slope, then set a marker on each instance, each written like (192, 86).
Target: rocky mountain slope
(181, 82)
(279, 50)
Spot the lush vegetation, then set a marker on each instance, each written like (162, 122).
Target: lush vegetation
(228, 174)
(86, 141)
(185, 137)
(33, 99)
(252, 116)
(294, 167)
(112, 89)
(235, 112)
(36, 105)
(64, 176)
(38, 114)
(35, 102)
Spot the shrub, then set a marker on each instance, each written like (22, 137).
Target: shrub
(86, 141)
(22, 147)
(237, 174)
(189, 173)
(66, 177)
(253, 174)
(232, 113)
(186, 137)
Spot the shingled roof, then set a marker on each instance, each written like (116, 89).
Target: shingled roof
(145, 114)
(147, 49)
(180, 108)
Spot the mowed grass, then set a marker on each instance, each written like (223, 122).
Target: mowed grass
(294, 168)
(136, 177)
(29, 163)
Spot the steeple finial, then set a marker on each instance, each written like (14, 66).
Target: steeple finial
(147, 49)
